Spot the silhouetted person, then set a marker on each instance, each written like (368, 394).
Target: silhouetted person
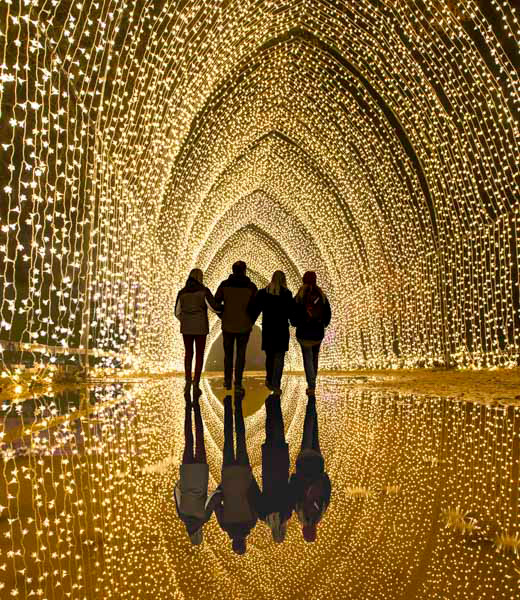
(237, 503)
(191, 491)
(236, 294)
(310, 485)
(310, 317)
(191, 308)
(276, 502)
(275, 303)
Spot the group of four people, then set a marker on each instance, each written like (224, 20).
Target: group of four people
(239, 303)
(238, 502)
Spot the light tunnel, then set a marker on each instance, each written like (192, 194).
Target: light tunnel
(375, 142)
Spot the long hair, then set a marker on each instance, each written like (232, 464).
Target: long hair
(278, 281)
(196, 274)
(307, 293)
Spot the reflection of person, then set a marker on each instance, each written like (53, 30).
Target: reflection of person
(276, 506)
(191, 491)
(237, 503)
(275, 302)
(310, 317)
(236, 293)
(191, 308)
(310, 485)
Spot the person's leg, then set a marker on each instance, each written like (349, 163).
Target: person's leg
(187, 456)
(229, 342)
(188, 355)
(278, 431)
(240, 428)
(315, 434)
(309, 424)
(308, 365)
(315, 358)
(228, 455)
(200, 448)
(242, 339)
(200, 345)
(278, 363)
(269, 363)
(269, 420)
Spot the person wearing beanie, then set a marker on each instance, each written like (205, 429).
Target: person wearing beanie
(236, 294)
(310, 487)
(191, 308)
(311, 315)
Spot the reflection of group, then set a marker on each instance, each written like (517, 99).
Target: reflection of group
(239, 304)
(238, 502)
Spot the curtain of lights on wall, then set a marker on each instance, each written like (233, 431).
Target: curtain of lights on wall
(375, 141)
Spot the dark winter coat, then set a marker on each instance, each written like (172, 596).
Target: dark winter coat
(308, 329)
(276, 312)
(236, 294)
(191, 308)
(276, 495)
(310, 468)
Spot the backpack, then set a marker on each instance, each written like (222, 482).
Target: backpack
(314, 307)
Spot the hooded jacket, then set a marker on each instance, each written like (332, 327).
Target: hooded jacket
(236, 293)
(191, 308)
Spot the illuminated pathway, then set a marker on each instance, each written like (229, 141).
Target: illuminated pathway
(424, 488)
(373, 141)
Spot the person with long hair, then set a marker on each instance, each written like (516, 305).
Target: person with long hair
(275, 303)
(191, 308)
(191, 491)
(311, 316)
(276, 501)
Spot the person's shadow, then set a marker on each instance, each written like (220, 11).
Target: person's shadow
(309, 484)
(237, 502)
(275, 502)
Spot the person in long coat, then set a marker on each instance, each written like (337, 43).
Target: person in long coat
(276, 500)
(275, 303)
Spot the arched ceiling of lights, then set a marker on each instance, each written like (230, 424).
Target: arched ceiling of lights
(374, 141)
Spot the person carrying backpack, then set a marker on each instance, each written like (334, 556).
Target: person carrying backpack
(311, 316)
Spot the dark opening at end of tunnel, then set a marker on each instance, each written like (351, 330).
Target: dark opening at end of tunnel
(255, 358)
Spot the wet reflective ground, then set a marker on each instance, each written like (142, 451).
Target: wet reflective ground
(424, 497)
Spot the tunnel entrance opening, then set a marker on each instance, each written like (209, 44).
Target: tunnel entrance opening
(255, 357)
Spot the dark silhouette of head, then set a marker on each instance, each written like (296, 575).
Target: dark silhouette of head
(239, 268)
(309, 533)
(309, 278)
(239, 545)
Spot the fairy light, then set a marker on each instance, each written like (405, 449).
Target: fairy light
(87, 508)
(375, 143)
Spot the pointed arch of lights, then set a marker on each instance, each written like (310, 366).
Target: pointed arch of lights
(386, 131)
